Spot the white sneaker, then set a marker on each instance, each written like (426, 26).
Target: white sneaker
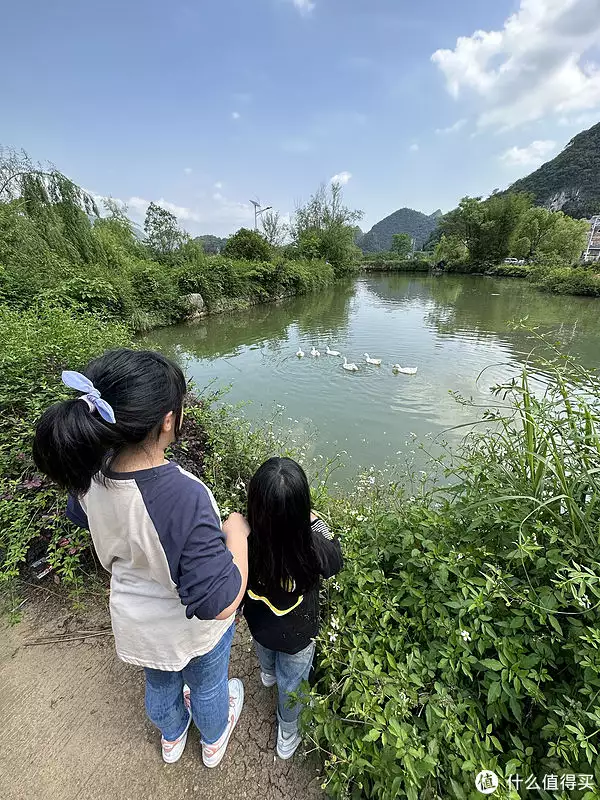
(267, 679)
(212, 754)
(172, 751)
(287, 744)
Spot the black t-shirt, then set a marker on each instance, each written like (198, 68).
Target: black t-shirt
(288, 621)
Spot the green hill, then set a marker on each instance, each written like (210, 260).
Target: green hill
(405, 220)
(571, 181)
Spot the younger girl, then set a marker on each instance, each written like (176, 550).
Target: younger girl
(176, 577)
(290, 549)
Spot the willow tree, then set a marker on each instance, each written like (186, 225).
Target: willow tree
(59, 209)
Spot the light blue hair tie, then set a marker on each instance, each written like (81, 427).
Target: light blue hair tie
(77, 381)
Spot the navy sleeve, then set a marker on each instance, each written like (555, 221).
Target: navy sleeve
(76, 513)
(329, 551)
(190, 533)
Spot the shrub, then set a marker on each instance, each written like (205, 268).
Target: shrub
(248, 245)
(463, 632)
(38, 343)
(111, 297)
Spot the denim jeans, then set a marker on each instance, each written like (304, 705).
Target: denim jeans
(290, 671)
(207, 677)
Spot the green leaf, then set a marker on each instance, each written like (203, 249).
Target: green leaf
(554, 622)
(494, 691)
(372, 735)
(491, 663)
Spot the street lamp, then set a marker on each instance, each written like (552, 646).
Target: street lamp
(258, 211)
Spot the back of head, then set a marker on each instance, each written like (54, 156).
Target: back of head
(73, 442)
(281, 546)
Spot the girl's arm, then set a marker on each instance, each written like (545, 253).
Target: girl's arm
(236, 531)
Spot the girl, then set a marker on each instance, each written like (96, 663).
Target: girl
(176, 577)
(290, 548)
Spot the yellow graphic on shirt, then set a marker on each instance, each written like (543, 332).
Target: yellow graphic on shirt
(278, 612)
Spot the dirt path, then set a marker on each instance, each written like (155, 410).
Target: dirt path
(74, 727)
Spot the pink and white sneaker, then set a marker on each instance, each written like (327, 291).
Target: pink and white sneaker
(212, 754)
(172, 751)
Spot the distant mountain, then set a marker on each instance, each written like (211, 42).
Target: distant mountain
(405, 220)
(211, 244)
(571, 181)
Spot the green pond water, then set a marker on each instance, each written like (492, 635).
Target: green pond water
(450, 327)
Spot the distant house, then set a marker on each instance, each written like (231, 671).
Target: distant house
(592, 252)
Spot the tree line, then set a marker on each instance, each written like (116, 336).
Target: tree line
(486, 232)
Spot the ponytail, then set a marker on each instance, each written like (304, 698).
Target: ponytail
(73, 443)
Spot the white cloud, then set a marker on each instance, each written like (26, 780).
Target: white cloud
(188, 170)
(532, 155)
(414, 148)
(218, 185)
(536, 66)
(305, 7)
(458, 125)
(235, 115)
(217, 215)
(342, 178)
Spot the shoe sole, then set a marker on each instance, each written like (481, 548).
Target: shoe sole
(223, 750)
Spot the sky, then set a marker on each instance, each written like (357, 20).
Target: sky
(204, 105)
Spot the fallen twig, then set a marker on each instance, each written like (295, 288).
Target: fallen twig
(67, 637)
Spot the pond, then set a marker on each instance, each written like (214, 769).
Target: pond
(450, 327)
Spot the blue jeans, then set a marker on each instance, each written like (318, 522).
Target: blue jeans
(290, 671)
(207, 677)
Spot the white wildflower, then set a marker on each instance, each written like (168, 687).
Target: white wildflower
(466, 636)
(584, 601)
(332, 636)
(337, 587)
(335, 624)
(372, 481)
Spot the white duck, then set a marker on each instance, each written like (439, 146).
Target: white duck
(349, 367)
(405, 370)
(332, 352)
(300, 353)
(315, 353)
(375, 361)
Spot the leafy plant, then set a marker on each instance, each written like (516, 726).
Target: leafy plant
(463, 632)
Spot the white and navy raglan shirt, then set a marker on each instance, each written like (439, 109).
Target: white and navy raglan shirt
(158, 533)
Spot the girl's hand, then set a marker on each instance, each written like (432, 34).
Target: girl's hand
(236, 523)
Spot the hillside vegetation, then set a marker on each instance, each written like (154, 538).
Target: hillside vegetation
(417, 225)
(571, 181)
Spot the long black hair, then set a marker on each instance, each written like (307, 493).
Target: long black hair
(281, 549)
(73, 444)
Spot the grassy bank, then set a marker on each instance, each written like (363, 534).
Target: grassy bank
(462, 633)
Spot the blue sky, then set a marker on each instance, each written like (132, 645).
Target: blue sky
(204, 105)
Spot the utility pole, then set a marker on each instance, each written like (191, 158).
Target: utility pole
(258, 210)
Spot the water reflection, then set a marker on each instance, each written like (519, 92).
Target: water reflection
(450, 327)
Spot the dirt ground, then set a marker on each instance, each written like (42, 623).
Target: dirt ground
(74, 727)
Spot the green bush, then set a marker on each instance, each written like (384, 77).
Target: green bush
(510, 270)
(464, 631)
(38, 343)
(112, 297)
(566, 280)
(248, 245)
